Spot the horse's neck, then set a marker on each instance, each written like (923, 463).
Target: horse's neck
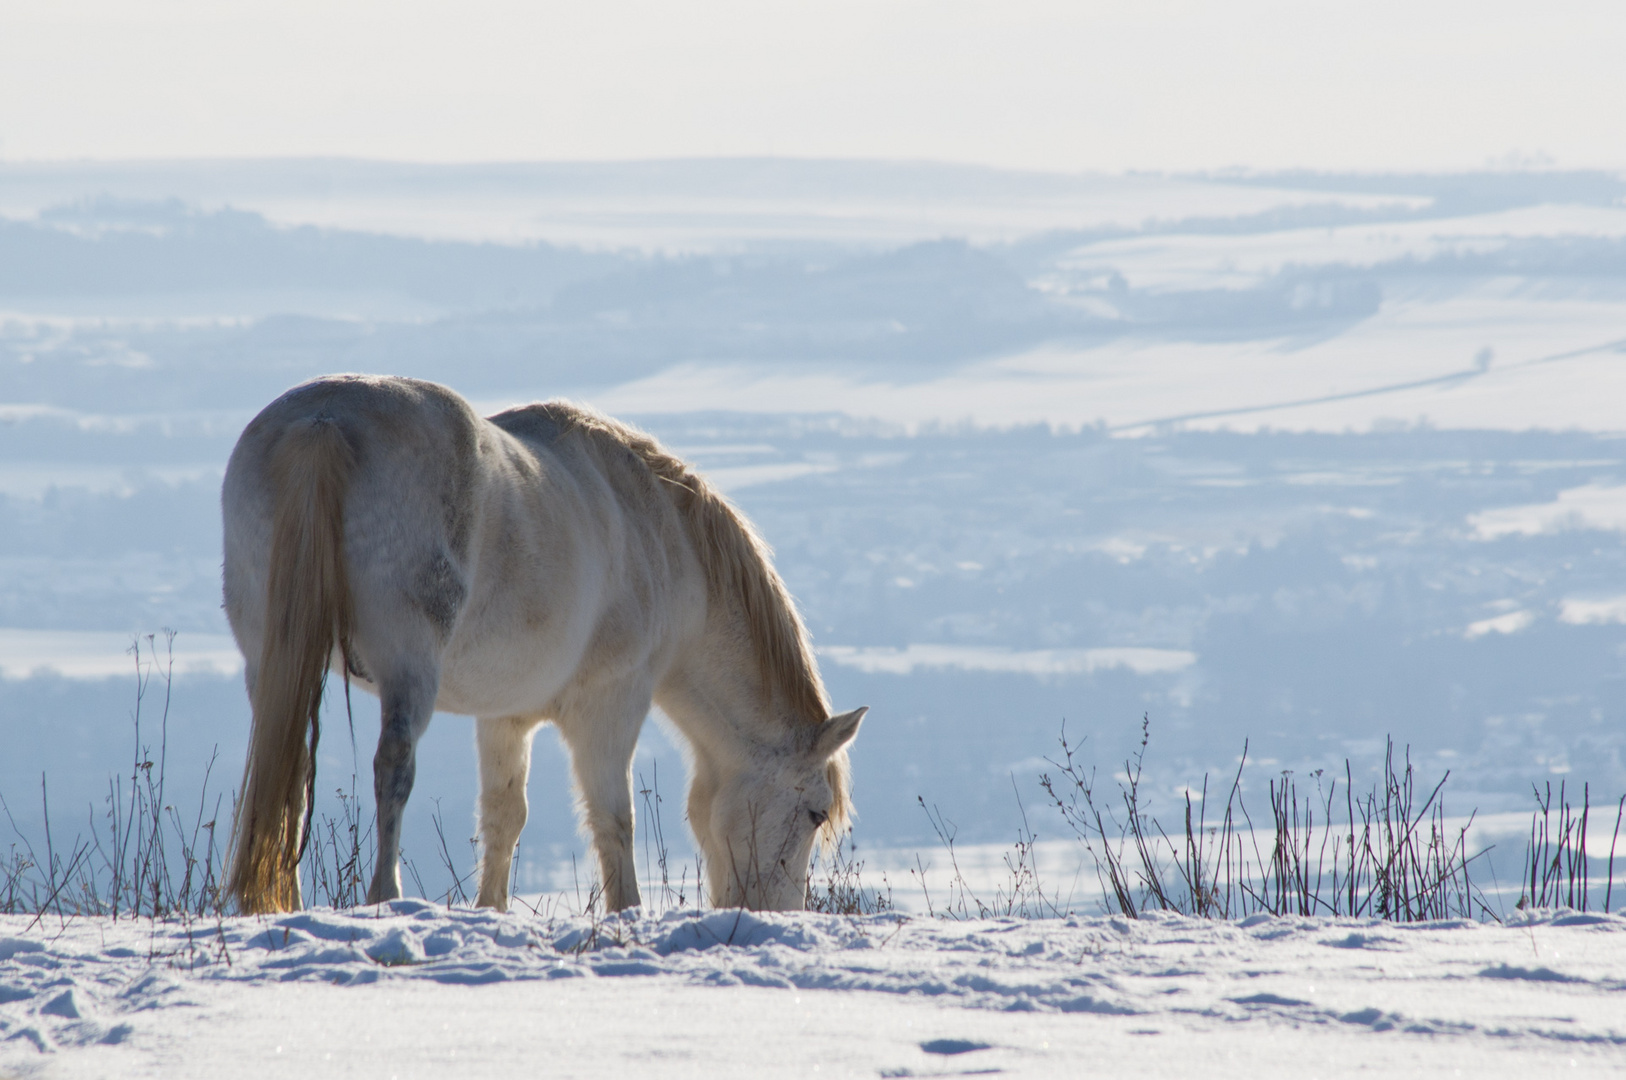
(720, 698)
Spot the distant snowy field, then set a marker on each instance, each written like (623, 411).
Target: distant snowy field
(1297, 460)
(414, 990)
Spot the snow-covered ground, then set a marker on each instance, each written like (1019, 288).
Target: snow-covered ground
(412, 989)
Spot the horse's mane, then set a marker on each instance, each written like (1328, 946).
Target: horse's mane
(738, 563)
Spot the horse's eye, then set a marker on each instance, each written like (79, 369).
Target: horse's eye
(819, 817)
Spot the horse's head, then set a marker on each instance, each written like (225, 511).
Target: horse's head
(763, 818)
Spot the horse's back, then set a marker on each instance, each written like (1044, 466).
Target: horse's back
(523, 556)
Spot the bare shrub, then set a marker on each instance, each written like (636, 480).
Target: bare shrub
(1390, 854)
(1557, 867)
(145, 855)
(1020, 893)
(836, 885)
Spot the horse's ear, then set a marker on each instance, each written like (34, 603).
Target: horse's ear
(838, 731)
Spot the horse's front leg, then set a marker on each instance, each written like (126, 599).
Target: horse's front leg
(602, 735)
(407, 705)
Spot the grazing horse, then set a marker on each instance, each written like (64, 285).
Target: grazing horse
(543, 564)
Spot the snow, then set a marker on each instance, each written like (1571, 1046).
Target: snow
(1511, 623)
(674, 207)
(1026, 662)
(1594, 506)
(1198, 261)
(1556, 366)
(1581, 612)
(411, 988)
(94, 654)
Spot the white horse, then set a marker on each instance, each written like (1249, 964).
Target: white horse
(545, 564)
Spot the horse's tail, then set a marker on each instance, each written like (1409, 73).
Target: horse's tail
(308, 611)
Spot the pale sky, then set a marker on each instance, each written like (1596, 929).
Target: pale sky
(1082, 85)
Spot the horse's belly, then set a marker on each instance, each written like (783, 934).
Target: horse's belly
(507, 680)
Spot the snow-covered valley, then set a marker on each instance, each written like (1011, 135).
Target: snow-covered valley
(1291, 462)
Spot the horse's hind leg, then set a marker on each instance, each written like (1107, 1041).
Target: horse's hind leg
(407, 698)
(505, 762)
(602, 734)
